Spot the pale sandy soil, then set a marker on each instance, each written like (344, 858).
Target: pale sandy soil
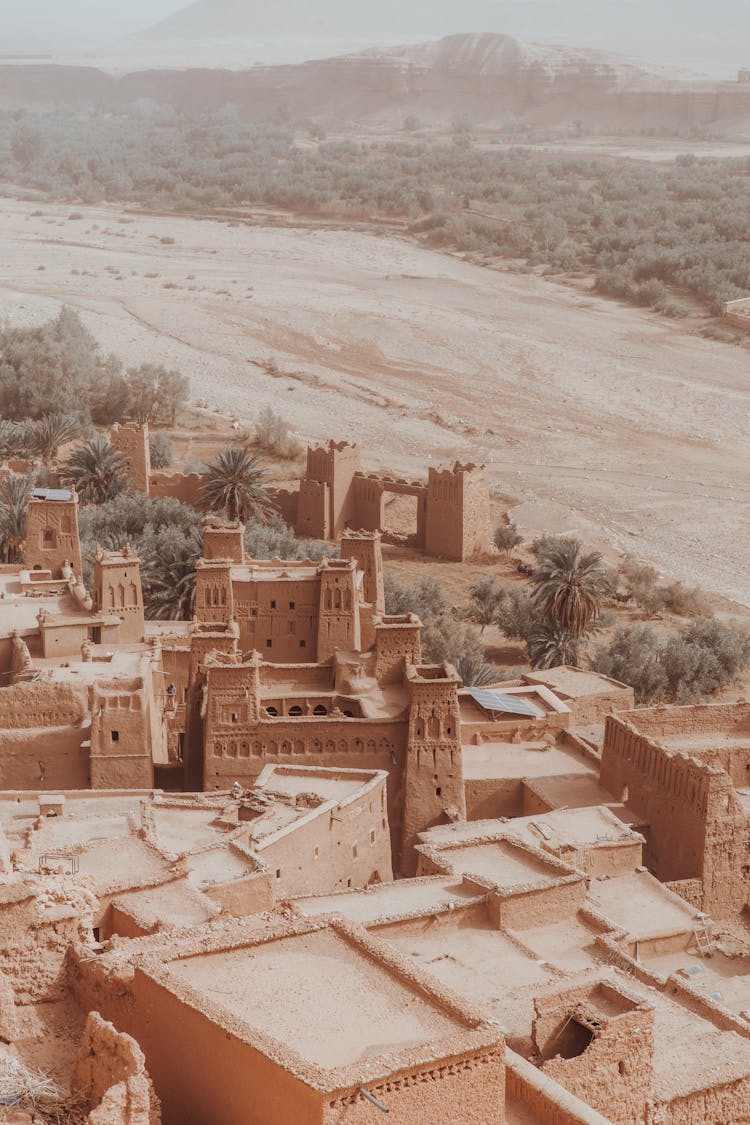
(597, 417)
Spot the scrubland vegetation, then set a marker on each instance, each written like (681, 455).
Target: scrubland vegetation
(58, 369)
(642, 229)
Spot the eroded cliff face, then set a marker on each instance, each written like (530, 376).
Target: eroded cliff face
(487, 77)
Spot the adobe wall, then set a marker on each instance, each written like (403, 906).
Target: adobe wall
(522, 908)
(185, 487)
(44, 736)
(240, 755)
(369, 494)
(737, 313)
(457, 519)
(245, 896)
(729, 1102)
(696, 826)
(543, 1098)
(493, 797)
(614, 1073)
(348, 846)
(132, 442)
(123, 732)
(52, 535)
(313, 510)
(468, 1088)
(240, 1082)
(109, 1077)
(433, 775)
(287, 503)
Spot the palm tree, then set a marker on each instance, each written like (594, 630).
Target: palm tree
(551, 646)
(96, 471)
(236, 484)
(569, 585)
(474, 672)
(14, 500)
(486, 597)
(168, 573)
(13, 439)
(48, 433)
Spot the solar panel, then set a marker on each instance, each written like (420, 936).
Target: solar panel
(499, 701)
(51, 494)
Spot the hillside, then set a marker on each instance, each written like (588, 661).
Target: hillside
(487, 77)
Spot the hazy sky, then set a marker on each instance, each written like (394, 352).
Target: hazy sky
(696, 33)
(31, 21)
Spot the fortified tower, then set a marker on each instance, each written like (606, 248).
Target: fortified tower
(433, 778)
(213, 590)
(117, 590)
(131, 441)
(365, 547)
(397, 646)
(52, 532)
(457, 512)
(326, 496)
(223, 540)
(338, 621)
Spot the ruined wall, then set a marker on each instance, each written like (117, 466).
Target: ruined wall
(39, 920)
(522, 908)
(286, 502)
(109, 1076)
(245, 896)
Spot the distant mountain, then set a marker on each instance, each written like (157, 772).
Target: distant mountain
(696, 33)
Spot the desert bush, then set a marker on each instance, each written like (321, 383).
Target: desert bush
(486, 597)
(507, 537)
(517, 615)
(160, 449)
(633, 657)
(653, 597)
(698, 661)
(273, 435)
(702, 658)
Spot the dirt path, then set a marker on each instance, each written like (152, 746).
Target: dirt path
(635, 429)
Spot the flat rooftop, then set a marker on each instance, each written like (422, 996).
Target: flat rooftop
(638, 903)
(501, 862)
(468, 954)
(574, 683)
(523, 759)
(318, 994)
(584, 827)
(391, 900)
(328, 784)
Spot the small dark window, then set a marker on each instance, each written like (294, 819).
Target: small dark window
(438, 791)
(269, 643)
(115, 735)
(278, 872)
(235, 717)
(292, 605)
(302, 644)
(296, 710)
(349, 714)
(320, 710)
(272, 711)
(49, 536)
(273, 603)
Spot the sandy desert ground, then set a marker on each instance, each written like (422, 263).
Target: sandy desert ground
(599, 418)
